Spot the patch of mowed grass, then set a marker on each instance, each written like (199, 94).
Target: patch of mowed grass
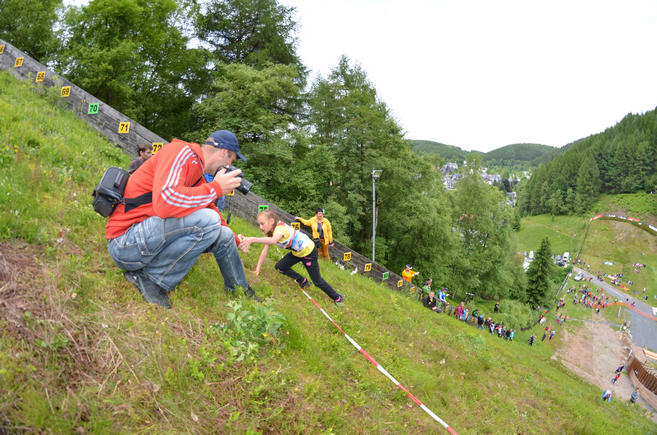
(564, 232)
(128, 366)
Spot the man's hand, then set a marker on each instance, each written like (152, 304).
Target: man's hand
(245, 243)
(228, 181)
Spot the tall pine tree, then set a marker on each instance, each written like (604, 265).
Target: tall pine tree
(539, 275)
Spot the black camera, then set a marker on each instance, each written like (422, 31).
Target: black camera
(245, 185)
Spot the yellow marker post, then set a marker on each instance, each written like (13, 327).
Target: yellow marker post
(66, 91)
(18, 62)
(157, 146)
(41, 76)
(124, 127)
(2, 48)
(367, 267)
(296, 225)
(400, 283)
(347, 256)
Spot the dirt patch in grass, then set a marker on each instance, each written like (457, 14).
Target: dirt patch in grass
(19, 275)
(34, 312)
(594, 353)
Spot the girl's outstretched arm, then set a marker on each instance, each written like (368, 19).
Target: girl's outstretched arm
(264, 240)
(261, 259)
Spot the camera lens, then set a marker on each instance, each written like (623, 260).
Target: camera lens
(245, 186)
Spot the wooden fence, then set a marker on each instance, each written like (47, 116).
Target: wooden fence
(115, 126)
(647, 378)
(127, 134)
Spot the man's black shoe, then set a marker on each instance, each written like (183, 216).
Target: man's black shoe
(250, 293)
(150, 291)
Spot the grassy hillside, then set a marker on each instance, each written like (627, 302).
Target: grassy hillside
(565, 233)
(80, 350)
(624, 245)
(641, 205)
(608, 241)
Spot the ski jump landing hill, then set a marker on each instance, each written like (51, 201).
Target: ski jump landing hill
(126, 134)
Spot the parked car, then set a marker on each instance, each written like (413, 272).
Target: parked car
(579, 276)
(566, 257)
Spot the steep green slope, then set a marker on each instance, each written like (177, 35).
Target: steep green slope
(80, 350)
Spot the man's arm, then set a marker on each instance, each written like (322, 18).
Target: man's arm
(307, 223)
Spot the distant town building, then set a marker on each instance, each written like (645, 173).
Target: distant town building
(512, 198)
(449, 168)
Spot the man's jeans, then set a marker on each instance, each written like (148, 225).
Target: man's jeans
(166, 249)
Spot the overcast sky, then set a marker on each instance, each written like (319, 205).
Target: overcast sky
(481, 74)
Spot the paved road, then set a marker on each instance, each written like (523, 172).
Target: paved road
(643, 329)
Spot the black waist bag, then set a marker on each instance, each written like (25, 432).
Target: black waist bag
(109, 191)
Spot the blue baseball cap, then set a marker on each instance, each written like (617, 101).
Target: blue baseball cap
(225, 139)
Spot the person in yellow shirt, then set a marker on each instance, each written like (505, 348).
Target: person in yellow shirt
(409, 273)
(322, 232)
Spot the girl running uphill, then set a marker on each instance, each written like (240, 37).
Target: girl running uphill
(302, 249)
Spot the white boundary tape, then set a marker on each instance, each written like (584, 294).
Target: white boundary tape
(381, 369)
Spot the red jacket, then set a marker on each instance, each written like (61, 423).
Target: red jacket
(175, 176)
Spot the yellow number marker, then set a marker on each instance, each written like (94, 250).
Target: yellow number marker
(413, 290)
(66, 91)
(18, 62)
(41, 76)
(124, 127)
(347, 256)
(2, 48)
(296, 225)
(232, 193)
(157, 146)
(400, 283)
(368, 267)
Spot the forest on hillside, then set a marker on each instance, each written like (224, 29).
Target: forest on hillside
(619, 160)
(509, 159)
(185, 68)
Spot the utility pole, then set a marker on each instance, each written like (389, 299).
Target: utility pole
(376, 174)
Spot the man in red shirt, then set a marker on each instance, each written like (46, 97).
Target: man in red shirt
(169, 218)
